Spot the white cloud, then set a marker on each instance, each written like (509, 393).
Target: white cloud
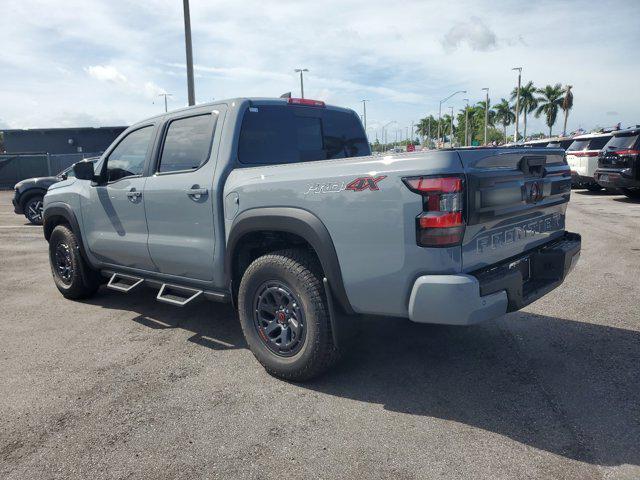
(106, 73)
(473, 32)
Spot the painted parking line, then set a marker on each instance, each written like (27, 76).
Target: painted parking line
(34, 228)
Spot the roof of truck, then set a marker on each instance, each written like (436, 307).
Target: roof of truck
(587, 136)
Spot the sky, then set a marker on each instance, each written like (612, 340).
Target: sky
(103, 63)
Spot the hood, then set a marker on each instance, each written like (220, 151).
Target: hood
(40, 182)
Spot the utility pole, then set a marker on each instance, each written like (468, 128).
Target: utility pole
(429, 133)
(486, 113)
(187, 40)
(466, 123)
(165, 95)
(515, 135)
(300, 70)
(412, 134)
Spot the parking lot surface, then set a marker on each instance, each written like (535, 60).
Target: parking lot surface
(125, 387)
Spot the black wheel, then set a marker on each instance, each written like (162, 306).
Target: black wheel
(284, 316)
(72, 276)
(33, 209)
(594, 187)
(633, 193)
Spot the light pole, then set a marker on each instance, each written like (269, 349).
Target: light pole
(440, 109)
(187, 40)
(466, 123)
(300, 70)
(364, 113)
(429, 133)
(515, 135)
(486, 113)
(384, 134)
(165, 95)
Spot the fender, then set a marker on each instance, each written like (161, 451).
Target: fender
(299, 222)
(63, 210)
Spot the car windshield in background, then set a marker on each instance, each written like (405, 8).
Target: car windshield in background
(578, 145)
(274, 134)
(622, 142)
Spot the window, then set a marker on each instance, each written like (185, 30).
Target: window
(129, 156)
(578, 145)
(598, 143)
(622, 142)
(187, 144)
(273, 134)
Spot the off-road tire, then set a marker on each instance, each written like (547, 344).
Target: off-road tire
(82, 281)
(32, 204)
(299, 271)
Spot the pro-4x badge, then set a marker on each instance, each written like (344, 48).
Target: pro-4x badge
(364, 183)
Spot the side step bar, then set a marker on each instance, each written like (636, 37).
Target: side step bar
(123, 283)
(177, 295)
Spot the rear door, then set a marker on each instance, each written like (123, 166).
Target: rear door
(516, 201)
(179, 195)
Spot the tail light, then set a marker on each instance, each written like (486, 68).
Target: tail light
(441, 223)
(306, 101)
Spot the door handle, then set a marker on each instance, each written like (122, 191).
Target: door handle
(133, 195)
(196, 193)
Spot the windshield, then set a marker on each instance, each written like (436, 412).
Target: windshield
(578, 145)
(622, 142)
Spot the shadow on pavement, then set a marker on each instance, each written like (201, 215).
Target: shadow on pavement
(566, 387)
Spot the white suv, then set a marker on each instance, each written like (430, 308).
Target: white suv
(582, 157)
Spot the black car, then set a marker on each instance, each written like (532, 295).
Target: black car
(28, 194)
(619, 163)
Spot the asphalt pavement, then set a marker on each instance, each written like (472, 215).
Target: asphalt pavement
(122, 386)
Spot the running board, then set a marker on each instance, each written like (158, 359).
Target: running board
(177, 295)
(123, 283)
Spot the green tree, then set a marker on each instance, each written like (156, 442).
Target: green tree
(567, 104)
(550, 101)
(504, 115)
(528, 102)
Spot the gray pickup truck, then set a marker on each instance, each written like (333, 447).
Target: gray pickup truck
(277, 206)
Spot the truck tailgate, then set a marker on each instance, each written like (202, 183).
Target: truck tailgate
(516, 201)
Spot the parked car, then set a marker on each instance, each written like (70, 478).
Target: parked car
(619, 163)
(277, 206)
(28, 194)
(560, 142)
(582, 157)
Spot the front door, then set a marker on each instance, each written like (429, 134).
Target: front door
(113, 212)
(180, 197)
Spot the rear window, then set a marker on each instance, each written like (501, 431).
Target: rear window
(622, 142)
(578, 145)
(598, 143)
(274, 134)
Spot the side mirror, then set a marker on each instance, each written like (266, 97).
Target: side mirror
(84, 171)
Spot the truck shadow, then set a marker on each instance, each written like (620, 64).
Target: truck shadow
(565, 387)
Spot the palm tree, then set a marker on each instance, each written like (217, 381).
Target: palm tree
(504, 115)
(426, 126)
(550, 101)
(528, 101)
(567, 104)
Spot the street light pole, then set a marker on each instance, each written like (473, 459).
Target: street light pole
(486, 114)
(364, 113)
(440, 109)
(300, 70)
(165, 95)
(187, 40)
(515, 135)
(466, 123)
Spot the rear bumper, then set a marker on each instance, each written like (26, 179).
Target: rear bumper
(616, 178)
(465, 299)
(578, 180)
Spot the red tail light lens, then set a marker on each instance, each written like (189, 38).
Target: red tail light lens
(441, 223)
(306, 101)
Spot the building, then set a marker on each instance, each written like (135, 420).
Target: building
(56, 141)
